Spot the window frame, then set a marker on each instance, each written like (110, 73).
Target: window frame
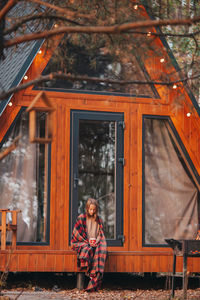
(75, 116)
(48, 184)
(188, 166)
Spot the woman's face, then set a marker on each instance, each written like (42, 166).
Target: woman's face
(92, 210)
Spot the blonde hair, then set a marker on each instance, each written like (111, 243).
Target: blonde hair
(87, 206)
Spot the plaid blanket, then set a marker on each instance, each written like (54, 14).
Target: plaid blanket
(92, 258)
(198, 235)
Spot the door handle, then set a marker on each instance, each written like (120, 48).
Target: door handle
(121, 237)
(76, 180)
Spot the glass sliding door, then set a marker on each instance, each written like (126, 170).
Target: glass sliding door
(97, 167)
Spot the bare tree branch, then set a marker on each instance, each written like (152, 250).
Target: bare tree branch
(62, 10)
(195, 52)
(149, 33)
(70, 77)
(116, 29)
(38, 17)
(62, 18)
(12, 147)
(6, 8)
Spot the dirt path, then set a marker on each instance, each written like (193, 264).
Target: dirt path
(45, 286)
(103, 294)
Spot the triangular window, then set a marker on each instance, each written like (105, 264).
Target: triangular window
(99, 62)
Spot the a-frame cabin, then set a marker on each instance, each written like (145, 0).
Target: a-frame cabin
(135, 148)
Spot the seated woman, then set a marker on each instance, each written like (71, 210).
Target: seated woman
(89, 241)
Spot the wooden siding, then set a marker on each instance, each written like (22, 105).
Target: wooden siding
(65, 261)
(132, 257)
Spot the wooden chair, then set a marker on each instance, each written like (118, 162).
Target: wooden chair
(4, 227)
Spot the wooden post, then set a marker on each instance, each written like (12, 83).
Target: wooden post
(32, 125)
(173, 274)
(185, 277)
(3, 229)
(8, 227)
(14, 232)
(80, 280)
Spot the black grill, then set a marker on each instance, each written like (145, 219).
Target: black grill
(184, 248)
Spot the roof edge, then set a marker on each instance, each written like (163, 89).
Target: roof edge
(22, 72)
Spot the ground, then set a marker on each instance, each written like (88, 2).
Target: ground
(46, 286)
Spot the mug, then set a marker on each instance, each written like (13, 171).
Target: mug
(92, 242)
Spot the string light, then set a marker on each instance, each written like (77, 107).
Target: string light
(10, 103)
(40, 51)
(149, 33)
(188, 114)
(135, 6)
(174, 86)
(25, 77)
(55, 25)
(162, 60)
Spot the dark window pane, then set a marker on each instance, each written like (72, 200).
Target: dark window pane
(99, 63)
(97, 169)
(41, 120)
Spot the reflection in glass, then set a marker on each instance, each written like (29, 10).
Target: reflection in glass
(41, 122)
(97, 169)
(99, 63)
(23, 181)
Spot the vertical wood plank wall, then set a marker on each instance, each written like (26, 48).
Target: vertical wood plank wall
(132, 257)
